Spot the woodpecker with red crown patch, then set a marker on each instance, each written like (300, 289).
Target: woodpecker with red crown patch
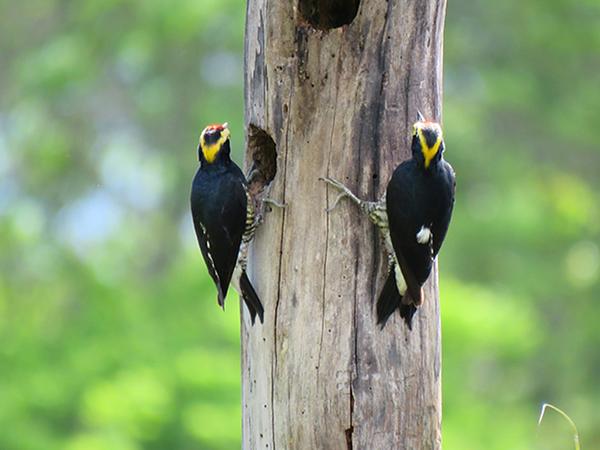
(413, 218)
(223, 215)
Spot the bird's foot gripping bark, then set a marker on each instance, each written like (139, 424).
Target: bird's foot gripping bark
(344, 192)
(375, 210)
(266, 205)
(273, 203)
(255, 216)
(255, 213)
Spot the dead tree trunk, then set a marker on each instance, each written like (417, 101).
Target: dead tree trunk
(332, 89)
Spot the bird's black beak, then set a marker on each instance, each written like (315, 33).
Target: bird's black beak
(420, 117)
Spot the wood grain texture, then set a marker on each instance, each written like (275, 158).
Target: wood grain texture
(319, 374)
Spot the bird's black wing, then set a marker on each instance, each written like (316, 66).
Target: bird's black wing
(405, 204)
(204, 248)
(219, 212)
(446, 196)
(226, 228)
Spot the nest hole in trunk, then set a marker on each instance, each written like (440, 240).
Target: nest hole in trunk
(327, 14)
(263, 157)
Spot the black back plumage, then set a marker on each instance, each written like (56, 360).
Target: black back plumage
(219, 212)
(415, 197)
(219, 203)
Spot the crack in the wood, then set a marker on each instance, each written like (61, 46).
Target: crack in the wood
(407, 119)
(382, 60)
(437, 88)
(378, 147)
(275, 352)
(406, 87)
(331, 134)
(349, 431)
(355, 325)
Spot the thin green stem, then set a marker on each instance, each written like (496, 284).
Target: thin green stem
(567, 418)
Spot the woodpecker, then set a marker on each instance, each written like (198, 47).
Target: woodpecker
(224, 219)
(413, 218)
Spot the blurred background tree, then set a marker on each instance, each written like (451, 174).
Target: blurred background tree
(110, 333)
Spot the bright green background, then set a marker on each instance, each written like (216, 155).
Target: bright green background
(109, 333)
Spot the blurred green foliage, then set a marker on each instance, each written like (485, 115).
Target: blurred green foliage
(111, 338)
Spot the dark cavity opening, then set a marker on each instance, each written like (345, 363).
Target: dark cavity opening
(263, 157)
(327, 14)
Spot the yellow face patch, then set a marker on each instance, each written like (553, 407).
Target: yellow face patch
(210, 151)
(428, 152)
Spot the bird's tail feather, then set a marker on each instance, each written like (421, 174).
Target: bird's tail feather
(251, 298)
(221, 297)
(390, 300)
(407, 311)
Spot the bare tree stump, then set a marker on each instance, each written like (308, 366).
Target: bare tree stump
(338, 102)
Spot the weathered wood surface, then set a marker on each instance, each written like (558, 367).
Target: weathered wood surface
(319, 374)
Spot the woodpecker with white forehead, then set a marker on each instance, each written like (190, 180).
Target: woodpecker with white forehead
(223, 215)
(413, 218)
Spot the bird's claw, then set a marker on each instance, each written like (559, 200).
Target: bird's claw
(273, 203)
(344, 192)
(335, 183)
(336, 201)
(266, 206)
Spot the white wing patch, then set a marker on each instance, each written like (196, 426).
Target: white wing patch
(210, 260)
(424, 235)
(400, 281)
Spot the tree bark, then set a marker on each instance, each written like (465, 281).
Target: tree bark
(337, 102)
